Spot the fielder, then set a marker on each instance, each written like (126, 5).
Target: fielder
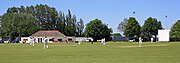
(140, 42)
(151, 40)
(45, 43)
(32, 41)
(103, 41)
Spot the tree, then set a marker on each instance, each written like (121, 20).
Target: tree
(175, 30)
(60, 22)
(132, 28)
(12, 10)
(97, 30)
(150, 27)
(49, 19)
(122, 25)
(22, 9)
(70, 24)
(80, 27)
(0, 20)
(17, 25)
(45, 15)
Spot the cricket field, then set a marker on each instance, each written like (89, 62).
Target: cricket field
(112, 52)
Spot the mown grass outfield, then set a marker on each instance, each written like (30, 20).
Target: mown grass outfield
(112, 52)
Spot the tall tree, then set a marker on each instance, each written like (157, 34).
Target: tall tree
(175, 30)
(22, 9)
(74, 24)
(122, 25)
(0, 20)
(46, 16)
(97, 30)
(49, 19)
(70, 24)
(150, 27)
(60, 22)
(12, 10)
(132, 28)
(80, 27)
(18, 24)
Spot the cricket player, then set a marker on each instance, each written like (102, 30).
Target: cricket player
(103, 41)
(151, 40)
(140, 42)
(32, 41)
(45, 43)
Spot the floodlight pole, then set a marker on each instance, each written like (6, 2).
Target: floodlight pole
(166, 27)
(134, 14)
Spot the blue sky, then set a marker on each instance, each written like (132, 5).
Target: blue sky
(111, 12)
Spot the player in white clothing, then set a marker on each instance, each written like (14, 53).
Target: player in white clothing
(140, 42)
(45, 43)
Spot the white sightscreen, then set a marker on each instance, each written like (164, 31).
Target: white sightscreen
(163, 35)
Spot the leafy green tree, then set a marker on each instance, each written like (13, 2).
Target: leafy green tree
(49, 19)
(122, 25)
(60, 22)
(22, 9)
(0, 20)
(70, 24)
(45, 15)
(175, 30)
(132, 28)
(12, 10)
(17, 25)
(97, 30)
(80, 27)
(150, 27)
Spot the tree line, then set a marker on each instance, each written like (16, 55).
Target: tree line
(131, 28)
(23, 21)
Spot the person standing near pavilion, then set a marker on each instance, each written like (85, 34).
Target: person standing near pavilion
(32, 41)
(45, 43)
(140, 42)
(103, 41)
(152, 39)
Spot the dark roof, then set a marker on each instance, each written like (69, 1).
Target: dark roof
(48, 33)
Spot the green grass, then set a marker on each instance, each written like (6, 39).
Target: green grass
(112, 52)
